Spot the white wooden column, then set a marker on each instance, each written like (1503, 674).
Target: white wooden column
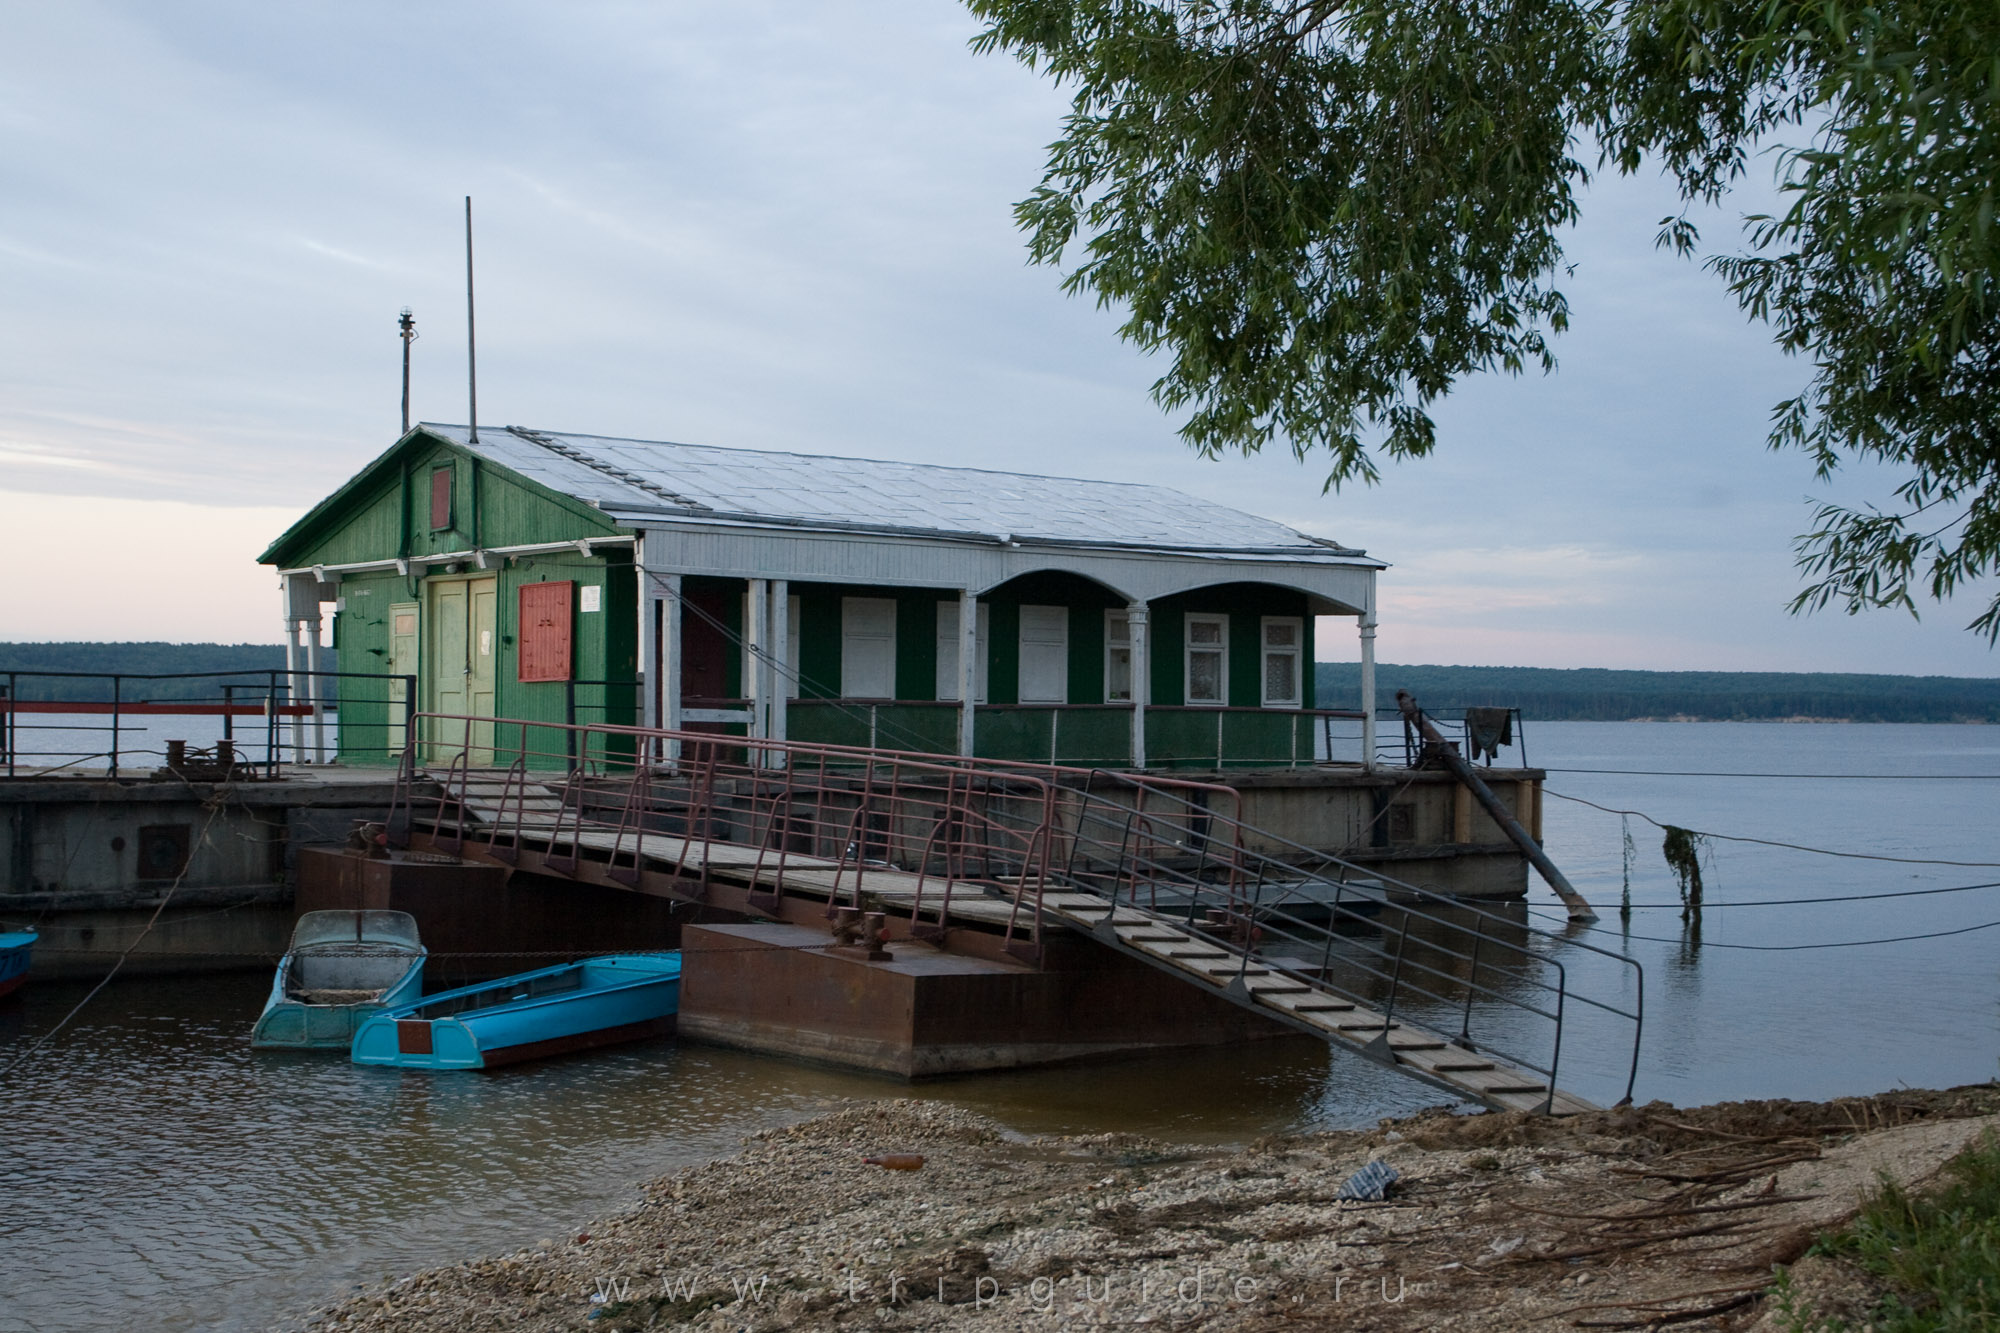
(1138, 631)
(314, 700)
(1367, 624)
(301, 609)
(757, 674)
(648, 673)
(968, 666)
(670, 662)
(780, 654)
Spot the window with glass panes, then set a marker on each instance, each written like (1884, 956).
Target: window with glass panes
(1207, 659)
(1117, 657)
(1284, 640)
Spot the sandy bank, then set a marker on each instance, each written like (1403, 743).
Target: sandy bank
(1500, 1222)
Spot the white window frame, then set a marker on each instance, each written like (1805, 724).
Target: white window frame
(1296, 651)
(947, 653)
(1117, 640)
(854, 643)
(1188, 650)
(1058, 616)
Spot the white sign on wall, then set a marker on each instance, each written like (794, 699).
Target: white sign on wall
(590, 593)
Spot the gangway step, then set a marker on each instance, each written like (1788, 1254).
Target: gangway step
(1227, 969)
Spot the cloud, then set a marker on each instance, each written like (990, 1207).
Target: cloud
(769, 225)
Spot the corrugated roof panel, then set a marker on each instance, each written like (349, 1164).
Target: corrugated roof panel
(651, 475)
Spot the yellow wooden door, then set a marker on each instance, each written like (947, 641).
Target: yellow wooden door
(460, 633)
(403, 661)
(482, 631)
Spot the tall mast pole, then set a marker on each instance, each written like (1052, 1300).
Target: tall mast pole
(406, 323)
(471, 353)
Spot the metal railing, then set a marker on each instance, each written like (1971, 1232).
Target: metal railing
(114, 706)
(1396, 745)
(923, 827)
(927, 830)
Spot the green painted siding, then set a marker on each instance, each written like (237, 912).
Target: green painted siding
(1246, 605)
(1003, 652)
(362, 627)
(916, 643)
(819, 641)
(927, 729)
(1087, 603)
(385, 513)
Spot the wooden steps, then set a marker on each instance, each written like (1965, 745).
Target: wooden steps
(1303, 1004)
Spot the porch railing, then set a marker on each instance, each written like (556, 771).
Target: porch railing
(1340, 736)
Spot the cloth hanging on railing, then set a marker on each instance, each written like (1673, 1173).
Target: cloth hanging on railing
(1486, 730)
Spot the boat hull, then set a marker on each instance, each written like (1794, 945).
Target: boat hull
(16, 952)
(290, 1025)
(579, 1006)
(343, 967)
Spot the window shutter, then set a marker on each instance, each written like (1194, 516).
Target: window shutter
(441, 497)
(544, 631)
(1044, 654)
(867, 648)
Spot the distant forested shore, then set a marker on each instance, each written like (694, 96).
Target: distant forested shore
(135, 659)
(1591, 694)
(1586, 694)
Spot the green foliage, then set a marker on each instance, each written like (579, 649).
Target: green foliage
(1682, 849)
(1938, 1255)
(1327, 214)
(1597, 695)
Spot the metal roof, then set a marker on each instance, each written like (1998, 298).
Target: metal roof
(650, 479)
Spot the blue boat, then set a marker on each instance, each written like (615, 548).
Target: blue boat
(342, 967)
(16, 947)
(571, 1007)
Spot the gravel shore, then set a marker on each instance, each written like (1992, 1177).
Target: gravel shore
(1499, 1221)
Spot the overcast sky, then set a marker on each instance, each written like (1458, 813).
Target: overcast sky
(770, 226)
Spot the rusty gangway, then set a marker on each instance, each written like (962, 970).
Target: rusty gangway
(987, 856)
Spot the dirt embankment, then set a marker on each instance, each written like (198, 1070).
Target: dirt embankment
(1502, 1221)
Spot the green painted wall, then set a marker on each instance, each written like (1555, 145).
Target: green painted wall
(1087, 603)
(1246, 604)
(385, 513)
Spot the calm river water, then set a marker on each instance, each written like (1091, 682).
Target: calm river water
(160, 1175)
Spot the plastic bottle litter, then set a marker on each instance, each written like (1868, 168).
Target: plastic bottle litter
(896, 1161)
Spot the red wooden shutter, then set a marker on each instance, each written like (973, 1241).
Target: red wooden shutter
(544, 630)
(441, 498)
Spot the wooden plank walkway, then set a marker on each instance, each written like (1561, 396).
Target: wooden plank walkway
(1153, 938)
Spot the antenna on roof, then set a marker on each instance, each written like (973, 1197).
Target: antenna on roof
(471, 355)
(407, 324)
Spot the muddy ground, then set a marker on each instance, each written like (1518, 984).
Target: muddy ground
(1619, 1219)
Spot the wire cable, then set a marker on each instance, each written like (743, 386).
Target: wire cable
(1797, 902)
(1770, 842)
(215, 807)
(1779, 948)
(1867, 777)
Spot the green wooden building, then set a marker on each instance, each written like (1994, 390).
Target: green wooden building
(524, 574)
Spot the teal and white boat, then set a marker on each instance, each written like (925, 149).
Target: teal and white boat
(342, 967)
(570, 1007)
(17, 949)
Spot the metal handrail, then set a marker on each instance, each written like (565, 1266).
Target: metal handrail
(1106, 832)
(280, 698)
